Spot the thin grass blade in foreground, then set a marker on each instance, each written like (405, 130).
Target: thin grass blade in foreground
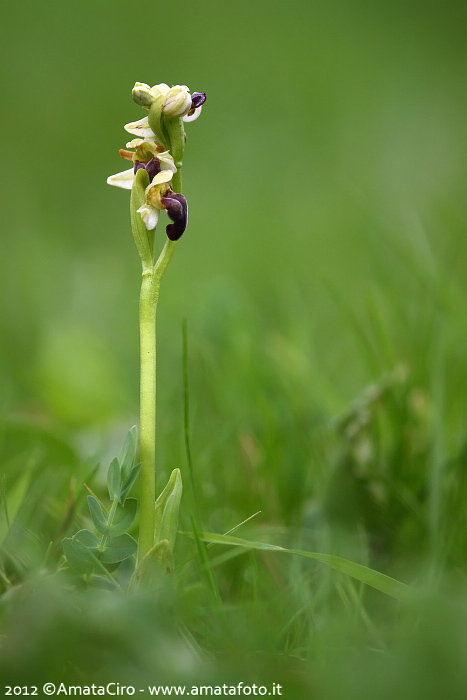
(385, 584)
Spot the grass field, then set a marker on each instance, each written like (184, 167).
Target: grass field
(322, 285)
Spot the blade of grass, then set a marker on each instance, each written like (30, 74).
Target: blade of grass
(229, 532)
(225, 533)
(375, 579)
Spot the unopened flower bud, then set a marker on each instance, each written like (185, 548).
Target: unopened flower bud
(142, 95)
(177, 101)
(160, 89)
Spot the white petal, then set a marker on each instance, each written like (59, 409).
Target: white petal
(139, 128)
(137, 142)
(163, 176)
(194, 116)
(149, 215)
(166, 161)
(123, 179)
(134, 143)
(168, 165)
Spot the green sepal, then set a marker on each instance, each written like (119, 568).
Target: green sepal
(143, 237)
(113, 479)
(127, 455)
(123, 518)
(167, 508)
(157, 122)
(79, 551)
(126, 486)
(97, 514)
(118, 548)
(159, 560)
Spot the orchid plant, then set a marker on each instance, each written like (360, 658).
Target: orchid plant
(155, 181)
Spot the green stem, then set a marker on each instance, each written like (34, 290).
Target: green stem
(177, 182)
(147, 326)
(176, 130)
(149, 297)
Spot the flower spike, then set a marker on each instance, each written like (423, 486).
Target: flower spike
(155, 151)
(158, 146)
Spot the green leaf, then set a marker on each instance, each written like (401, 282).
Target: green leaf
(87, 538)
(82, 552)
(375, 579)
(78, 551)
(113, 479)
(97, 515)
(126, 486)
(118, 548)
(159, 560)
(167, 507)
(123, 518)
(82, 566)
(127, 455)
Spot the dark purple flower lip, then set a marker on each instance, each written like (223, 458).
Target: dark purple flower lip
(177, 209)
(153, 167)
(138, 166)
(197, 99)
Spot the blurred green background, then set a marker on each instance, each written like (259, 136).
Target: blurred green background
(326, 252)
